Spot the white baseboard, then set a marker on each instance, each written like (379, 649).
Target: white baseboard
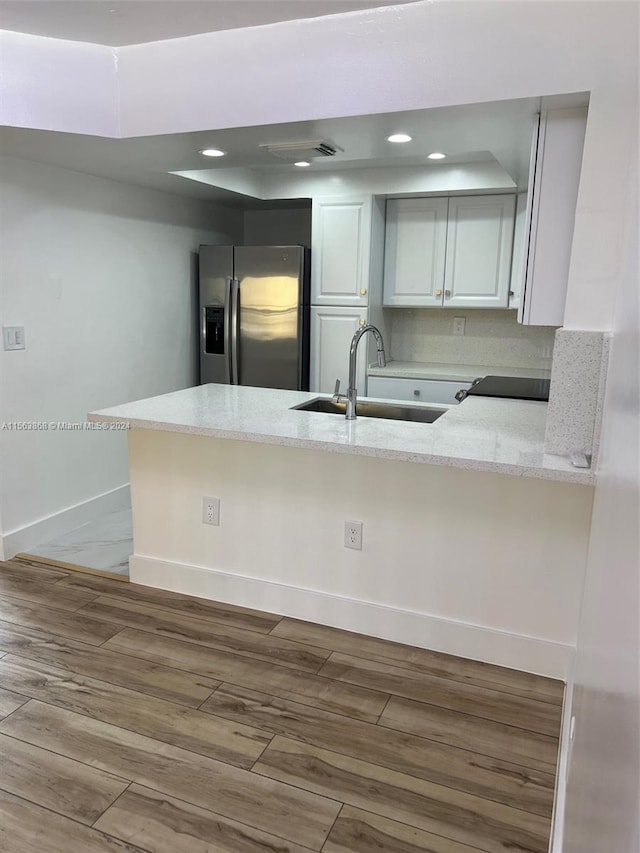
(564, 757)
(62, 522)
(366, 617)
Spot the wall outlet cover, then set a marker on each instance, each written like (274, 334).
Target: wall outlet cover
(211, 511)
(458, 325)
(353, 535)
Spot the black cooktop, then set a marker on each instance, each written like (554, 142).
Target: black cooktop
(513, 387)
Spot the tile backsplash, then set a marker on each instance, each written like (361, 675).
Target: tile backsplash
(491, 337)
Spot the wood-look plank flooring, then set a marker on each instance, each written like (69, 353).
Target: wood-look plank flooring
(135, 720)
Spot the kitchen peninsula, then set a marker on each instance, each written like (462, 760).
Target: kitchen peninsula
(474, 540)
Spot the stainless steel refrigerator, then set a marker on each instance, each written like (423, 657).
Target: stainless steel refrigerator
(254, 316)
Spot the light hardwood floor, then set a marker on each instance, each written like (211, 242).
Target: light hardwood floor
(133, 719)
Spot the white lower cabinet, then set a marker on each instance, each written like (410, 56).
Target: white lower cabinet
(415, 390)
(332, 329)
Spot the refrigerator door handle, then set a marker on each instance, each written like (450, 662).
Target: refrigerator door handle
(203, 329)
(234, 285)
(227, 331)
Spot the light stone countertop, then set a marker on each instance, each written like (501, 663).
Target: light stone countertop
(484, 434)
(451, 372)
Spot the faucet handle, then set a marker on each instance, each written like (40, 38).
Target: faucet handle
(336, 391)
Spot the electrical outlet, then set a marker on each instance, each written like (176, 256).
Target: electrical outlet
(353, 535)
(458, 325)
(211, 511)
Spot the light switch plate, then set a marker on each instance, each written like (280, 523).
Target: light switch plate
(13, 337)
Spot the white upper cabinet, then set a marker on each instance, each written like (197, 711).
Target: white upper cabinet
(340, 250)
(449, 252)
(415, 247)
(479, 243)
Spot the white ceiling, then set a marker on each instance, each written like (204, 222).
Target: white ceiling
(467, 134)
(122, 22)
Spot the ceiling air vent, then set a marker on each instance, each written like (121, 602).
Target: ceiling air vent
(301, 150)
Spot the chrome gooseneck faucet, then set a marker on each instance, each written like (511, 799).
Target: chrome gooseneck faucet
(352, 391)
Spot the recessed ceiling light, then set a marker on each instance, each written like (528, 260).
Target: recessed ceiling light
(302, 164)
(437, 155)
(399, 137)
(212, 152)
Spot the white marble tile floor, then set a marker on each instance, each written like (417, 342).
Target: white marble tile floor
(104, 544)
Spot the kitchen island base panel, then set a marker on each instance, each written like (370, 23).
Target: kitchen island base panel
(467, 562)
(412, 628)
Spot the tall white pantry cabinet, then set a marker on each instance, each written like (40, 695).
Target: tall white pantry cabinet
(347, 243)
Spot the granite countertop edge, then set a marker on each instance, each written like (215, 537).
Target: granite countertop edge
(498, 436)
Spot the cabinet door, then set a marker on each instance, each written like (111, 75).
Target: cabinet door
(479, 242)
(518, 261)
(553, 196)
(331, 332)
(340, 249)
(415, 243)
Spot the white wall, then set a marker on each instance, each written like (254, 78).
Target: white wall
(603, 807)
(102, 277)
(399, 180)
(278, 227)
(395, 181)
(54, 84)
(451, 559)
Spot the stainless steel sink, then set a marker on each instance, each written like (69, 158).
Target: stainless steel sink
(368, 409)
